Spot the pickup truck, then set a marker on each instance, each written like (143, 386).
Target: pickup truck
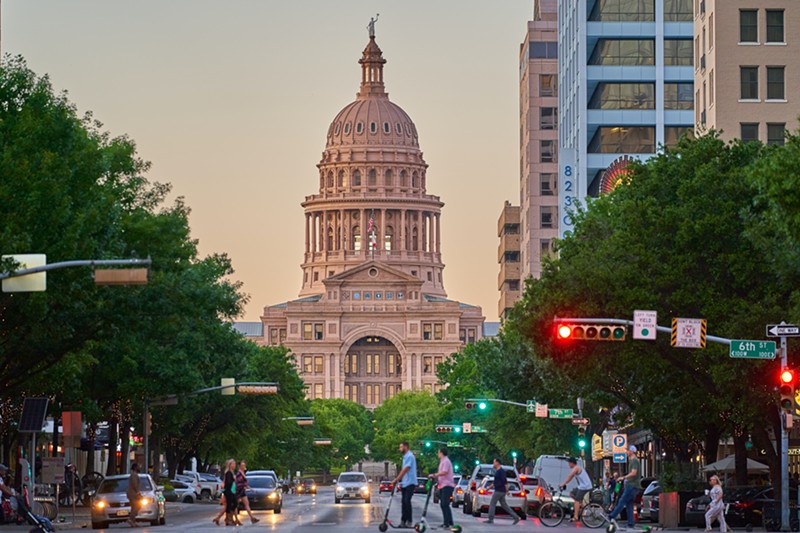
(207, 486)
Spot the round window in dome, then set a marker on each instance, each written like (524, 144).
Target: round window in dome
(373, 128)
(347, 128)
(336, 129)
(387, 129)
(360, 128)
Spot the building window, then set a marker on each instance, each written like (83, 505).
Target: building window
(432, 331)
(624, 96)
(711, 88)
(373, 127)
(372, 178)
(748, 25)
(626, 52)
(356, 238)
(512, 285)
(318, 390)
(356, 178)
(711, 31)
(359, 128)
(347, 128)
(390, 391)
(775, 85)
(548, 184)
(775, 26)
(545, 247)
(672, 134)
(776, 133)
(678, 10)
(376, 363)
(548, 85)
(307, 366)
(547, 151)
(623, 140)
(438, 331)
(368, 360)
(390, 364)
(427, 364)
(547, 216)
(623, 11)
(749, 131)
(427, 331)
(354, 364)
(543, 50)
(548, 118)
(678, 52)
(678, 96)
(511, 257)
(749, 83)
(318, 365)
(510, 229)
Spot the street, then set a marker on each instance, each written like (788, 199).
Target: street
(309, 513)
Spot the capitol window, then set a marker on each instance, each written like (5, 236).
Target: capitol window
(372, 177)
(403, 178)
(360, 128)
(390, 296)
(387, 129)
(347, 128)
(318, 365)
(356, 178)
(399, 128)
(373, 127)
(342, 179)
(427, 365)
(388, 179)
(414, 180)
(307, 364)
(336, 129)
(387, 239)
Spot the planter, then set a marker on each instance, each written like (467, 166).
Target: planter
(669, 509)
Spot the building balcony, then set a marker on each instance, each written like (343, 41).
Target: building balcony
(507, 300)
(508, 272)
(380, 195)
(508, 243)
(360, 256)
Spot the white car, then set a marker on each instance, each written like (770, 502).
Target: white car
(515, 497)
(185, 492)
(352, 486)
(461, 489)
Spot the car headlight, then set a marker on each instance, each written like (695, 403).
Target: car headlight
(144, 501)
(313, 487)
(272, 495)
(100, 504)
(365, 490)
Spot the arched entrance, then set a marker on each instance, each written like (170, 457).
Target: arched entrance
(373, 371)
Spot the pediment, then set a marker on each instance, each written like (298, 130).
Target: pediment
(372, 272)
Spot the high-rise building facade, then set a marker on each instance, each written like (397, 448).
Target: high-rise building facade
(373, 317)
(509, 279)
(538, 130)
(746, 68)
(626, 77)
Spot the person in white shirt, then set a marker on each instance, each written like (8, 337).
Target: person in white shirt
(583, 488)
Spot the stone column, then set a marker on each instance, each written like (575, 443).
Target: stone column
(431, 234)
(423, 217)
(342, 232)
(408, 382)
(438, 233)
(402, 230)
(381, 244)
(313, 233)
(307, 233)
(364, 238)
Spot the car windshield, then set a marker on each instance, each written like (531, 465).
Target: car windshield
(178, 484)
(109, 486)
(463, 481)
(261, 482)
(352, 478)
(208, 477)
(308, 482)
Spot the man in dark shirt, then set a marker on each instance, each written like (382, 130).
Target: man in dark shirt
(500, 489)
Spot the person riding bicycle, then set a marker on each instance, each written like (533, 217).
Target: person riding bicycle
(584, 486)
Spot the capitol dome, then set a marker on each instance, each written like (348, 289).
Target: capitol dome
(372, 119)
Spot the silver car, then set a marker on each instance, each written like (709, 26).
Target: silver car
(111, 503)
(352, 486)
(461, 488)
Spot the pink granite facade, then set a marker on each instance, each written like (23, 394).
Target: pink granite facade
(373, 316)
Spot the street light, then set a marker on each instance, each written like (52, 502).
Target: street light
(301, 420)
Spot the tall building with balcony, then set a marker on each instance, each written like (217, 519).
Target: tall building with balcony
(372, 317)
(746, 68)
(626, 87)
(538, 137)
(508, 256)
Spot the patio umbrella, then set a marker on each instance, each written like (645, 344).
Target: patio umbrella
(728, 465)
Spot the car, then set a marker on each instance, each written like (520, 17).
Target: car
(651, 491)
(385, 485)
(478, 473)
(422, 486)
(516, 497)
(456, 479)
(181, 492)
(270, 473)
(111, 504)
(212, 483)
(548, 473)
(194, 481)
(305, 486)
(352, 486)
(461, 488)
(207, 486)
(530, 484)
(263, 493)
(745, 506)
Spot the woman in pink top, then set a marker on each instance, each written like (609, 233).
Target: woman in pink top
(446, 486)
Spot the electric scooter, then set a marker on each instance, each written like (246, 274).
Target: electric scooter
(422, 525)
(383, 526)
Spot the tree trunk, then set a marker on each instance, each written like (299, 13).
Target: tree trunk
(125, 441)
(90, 455)
(113, 428)
(712, 443)
(739, 448)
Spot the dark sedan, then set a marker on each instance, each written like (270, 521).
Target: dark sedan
(421, 487)
(263, 493)
(385, 485)
(306, 486)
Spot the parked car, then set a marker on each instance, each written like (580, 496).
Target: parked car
(456, 479)
(352, 486)
(745, 506)
(305, 486)
(177, 491)
(422, 482)
(515, 497)
(654, 509)
(213, 483)
(111, 504)
(385, 485)
(461, 488)
(478, 473)
(651, 491)
(206, 488)
(263, 493)
(548, 473)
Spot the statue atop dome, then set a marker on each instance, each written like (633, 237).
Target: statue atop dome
(371, 25)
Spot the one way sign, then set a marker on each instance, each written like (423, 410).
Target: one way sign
(783, 330)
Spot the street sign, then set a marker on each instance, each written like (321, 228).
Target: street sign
(608, 435)
(580, 421)
(560, 413)
(541, 410)
(783, 330)
(688, 333)
(52, 470)
(530, 406)
(619, 444)
(467, 427)
(743, 349)
(620, 458)
(644, 325)
(453, 444)
(479, 429)
(597, 447)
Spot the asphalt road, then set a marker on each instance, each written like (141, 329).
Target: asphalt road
(305, 514)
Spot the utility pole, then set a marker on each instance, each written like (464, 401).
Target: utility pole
(785, 424)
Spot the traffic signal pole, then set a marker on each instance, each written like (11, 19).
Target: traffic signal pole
(784, 449)
(623, 322)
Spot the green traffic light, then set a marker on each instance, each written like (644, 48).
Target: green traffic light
(477, 461)
(482, 406)
(455, 467)
(514, 455)
(427, 444)
(582, 443)
(457, 429)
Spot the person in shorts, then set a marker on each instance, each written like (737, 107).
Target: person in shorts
(580, 475)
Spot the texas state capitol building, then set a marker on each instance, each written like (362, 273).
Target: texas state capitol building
(373, 316)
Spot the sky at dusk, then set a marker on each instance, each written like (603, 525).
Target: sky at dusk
(231, 100)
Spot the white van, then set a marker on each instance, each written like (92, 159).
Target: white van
(549, 471)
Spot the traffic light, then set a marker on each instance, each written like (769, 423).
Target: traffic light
(513, 455)
(481, 405)
(455, 467)
(447, 428)
(788, 384)
(581, 437)
(591, 332)
(428, 444)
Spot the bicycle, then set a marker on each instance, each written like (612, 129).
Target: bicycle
(552, 512)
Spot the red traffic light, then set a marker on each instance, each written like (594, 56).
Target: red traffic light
(591, 332)
(787, 376)
(564, 331)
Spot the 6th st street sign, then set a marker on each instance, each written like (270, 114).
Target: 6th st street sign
(743, 349)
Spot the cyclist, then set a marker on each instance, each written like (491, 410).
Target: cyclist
(584, 486)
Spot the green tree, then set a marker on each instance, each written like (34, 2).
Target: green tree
(408, 416)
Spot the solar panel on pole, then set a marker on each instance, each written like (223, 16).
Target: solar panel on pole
(34, 411)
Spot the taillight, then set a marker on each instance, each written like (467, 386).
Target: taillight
(473, 486)
(459, 491)
(523, 479)
(743, 505)
(521, 494)
(482, 492)
(539, 492)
